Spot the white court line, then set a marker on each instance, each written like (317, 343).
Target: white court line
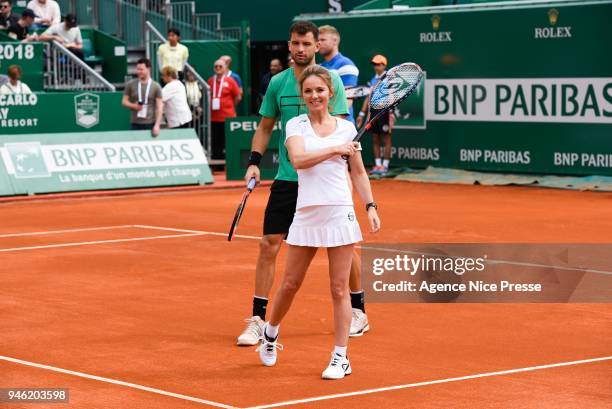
(38, 233)
(117, 382)
(211, 233)
(84, 243)
(438, 381)
(146, 226)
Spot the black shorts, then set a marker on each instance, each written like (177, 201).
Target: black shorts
(381, 126)
(281, 207)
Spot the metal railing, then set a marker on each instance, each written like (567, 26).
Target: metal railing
(230, 33)
(126, 19)
(200, 112)
(65, 71)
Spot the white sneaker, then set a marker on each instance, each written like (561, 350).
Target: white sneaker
(338, 367)
(267, 349)
(359, 323)
(253, 331)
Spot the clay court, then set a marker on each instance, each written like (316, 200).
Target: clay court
(135, 301)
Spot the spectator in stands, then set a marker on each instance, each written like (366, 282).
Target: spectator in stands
(329, 40)
(381, 129)
(67, 34)
(290, 62)
(194, 94)
(143, 97)
(225, 97)
(47, 13)
(21, 29)
(7, 17)
(275, 67)
(3, 78)
(14, 85)
(174, 95)
(230, 73)
(172, 53)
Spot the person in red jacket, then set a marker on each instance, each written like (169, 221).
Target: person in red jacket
(225, 95)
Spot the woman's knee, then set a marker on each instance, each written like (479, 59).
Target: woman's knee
(339, 289)
(290, 285)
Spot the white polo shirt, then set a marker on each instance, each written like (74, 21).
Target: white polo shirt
(176, 109)
(325, 183)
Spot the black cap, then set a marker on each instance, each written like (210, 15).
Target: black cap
(28, 13)
(71, 20)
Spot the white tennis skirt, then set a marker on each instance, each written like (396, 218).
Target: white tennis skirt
(324, 226)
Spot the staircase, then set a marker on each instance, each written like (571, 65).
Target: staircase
(126, 20)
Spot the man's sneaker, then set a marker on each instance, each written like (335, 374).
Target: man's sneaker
(359, 323)
(338, 367)
(267, 349)
(253, 331)
(377, 170)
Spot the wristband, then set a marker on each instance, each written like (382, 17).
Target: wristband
(371, 204)
(255, 158)
(362, 113)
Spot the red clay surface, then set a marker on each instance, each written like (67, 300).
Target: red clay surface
(164, 313)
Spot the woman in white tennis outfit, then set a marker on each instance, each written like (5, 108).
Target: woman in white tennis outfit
(324, 216)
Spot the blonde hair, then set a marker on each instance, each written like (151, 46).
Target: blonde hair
(170, 72)
(329, 30)
(318, 71)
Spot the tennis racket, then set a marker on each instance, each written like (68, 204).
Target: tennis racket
(392, 88)
(245, 196)
(357, 92)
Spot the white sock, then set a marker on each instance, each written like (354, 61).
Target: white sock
(272, 330)
(386, 163)
(378, 161)
(340, 350)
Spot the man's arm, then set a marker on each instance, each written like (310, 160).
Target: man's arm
(57, 15)
(159, 112)
(129, 105)
(260, 142)
(51, 35)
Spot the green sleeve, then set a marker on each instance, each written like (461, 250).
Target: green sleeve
(339, 104)
(269, 106)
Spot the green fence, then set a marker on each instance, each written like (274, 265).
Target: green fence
(42, 163)
(62, 112)
(523, 87)
(29, 56)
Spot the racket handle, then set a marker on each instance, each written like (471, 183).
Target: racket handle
(251, 184)
(358, 137)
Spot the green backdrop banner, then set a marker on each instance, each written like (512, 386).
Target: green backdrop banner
(42, 163)
(62, 112)
(29, 56)
(518, 87)
(238, 135)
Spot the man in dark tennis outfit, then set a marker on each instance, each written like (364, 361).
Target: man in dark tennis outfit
(281, 101)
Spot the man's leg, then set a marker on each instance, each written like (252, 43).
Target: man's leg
(269, 246)
(376, 149)
(359, 323)
(277, 220)
(387, 152)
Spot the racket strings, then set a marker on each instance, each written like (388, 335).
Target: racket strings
(398, 82)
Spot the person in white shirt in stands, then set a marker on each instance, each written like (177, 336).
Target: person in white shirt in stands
(174, 96)
(66, 33)
(47, 13)
(14, 84)
(324, 217)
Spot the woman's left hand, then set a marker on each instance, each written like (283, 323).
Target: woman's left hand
(374, 220)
